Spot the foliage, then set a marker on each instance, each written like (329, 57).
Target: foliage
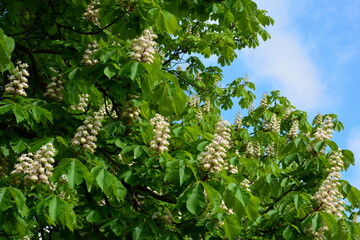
(137, 146)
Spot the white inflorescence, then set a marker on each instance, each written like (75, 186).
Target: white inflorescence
(161, 132)
(194, 101)
(143, 47)
(294, 130)
(179, 68)
(270, 150)
(37, 166)
(273, 125)
(130, 111)
(328, 196)
(85, 136)
(207, 106)
(253, 150)
(324, 130)
(246, 184)
(238, 121)
(288, 112)
(83, 102)
(264, 101)
(251, 108)
(55, 88)
(88, 59)
(18, 80)
(92, 13)
(213, 159)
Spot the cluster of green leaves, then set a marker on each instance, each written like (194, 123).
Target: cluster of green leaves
(125, 189)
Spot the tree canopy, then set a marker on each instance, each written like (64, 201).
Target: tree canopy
(111, 128)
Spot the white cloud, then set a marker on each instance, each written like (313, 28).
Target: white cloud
(354, 145)
(286, 63)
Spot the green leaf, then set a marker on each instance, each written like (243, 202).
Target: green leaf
(73, 73)
(5, 108)
(196, 201)
(104, 179)
(137, 151)
(19, 199)
(19, 147)
(319, 145)
(135, 69)
(288, 233)
(62, 141)
(354, 197)
(232, 227)
(166, 22)
(297, 201)
(93, 216)
(7, 45)
(4, 199)
(348, 156)
(110, 71)
(20, 113)
(180, 100)
(57, 207)
(316, 221)
(184, 174)
(214, 197)
(74, 174)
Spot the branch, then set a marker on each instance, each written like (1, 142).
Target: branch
(94, 32)
(35, 50)
(103, 91)
(155, 195)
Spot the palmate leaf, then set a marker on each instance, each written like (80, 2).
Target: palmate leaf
(196, 201)
(104, 179)
(4, 199)
(7, 45)
(57, 207)
(74, 170)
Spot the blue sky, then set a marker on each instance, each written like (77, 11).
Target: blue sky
(313, 58)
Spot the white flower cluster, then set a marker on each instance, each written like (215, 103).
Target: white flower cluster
(294, 130)
(251, 108)
(324, 130)
(207, 105)
(270, 150)
(92, 14)
(179, 68)
(87, 59)
(18, 80)
(319, 235)
(264, 102)
(55, 88)
(143, 47)
(246, 184)
(238, 121)
(161, 132)
(194, 101)
(273, 125)
(288, 112)
(328, 196)
(130, 111)
(83, 102)
(85, 136)
(253, 150)
(199, 114)
(37, 166)
(213, 159)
